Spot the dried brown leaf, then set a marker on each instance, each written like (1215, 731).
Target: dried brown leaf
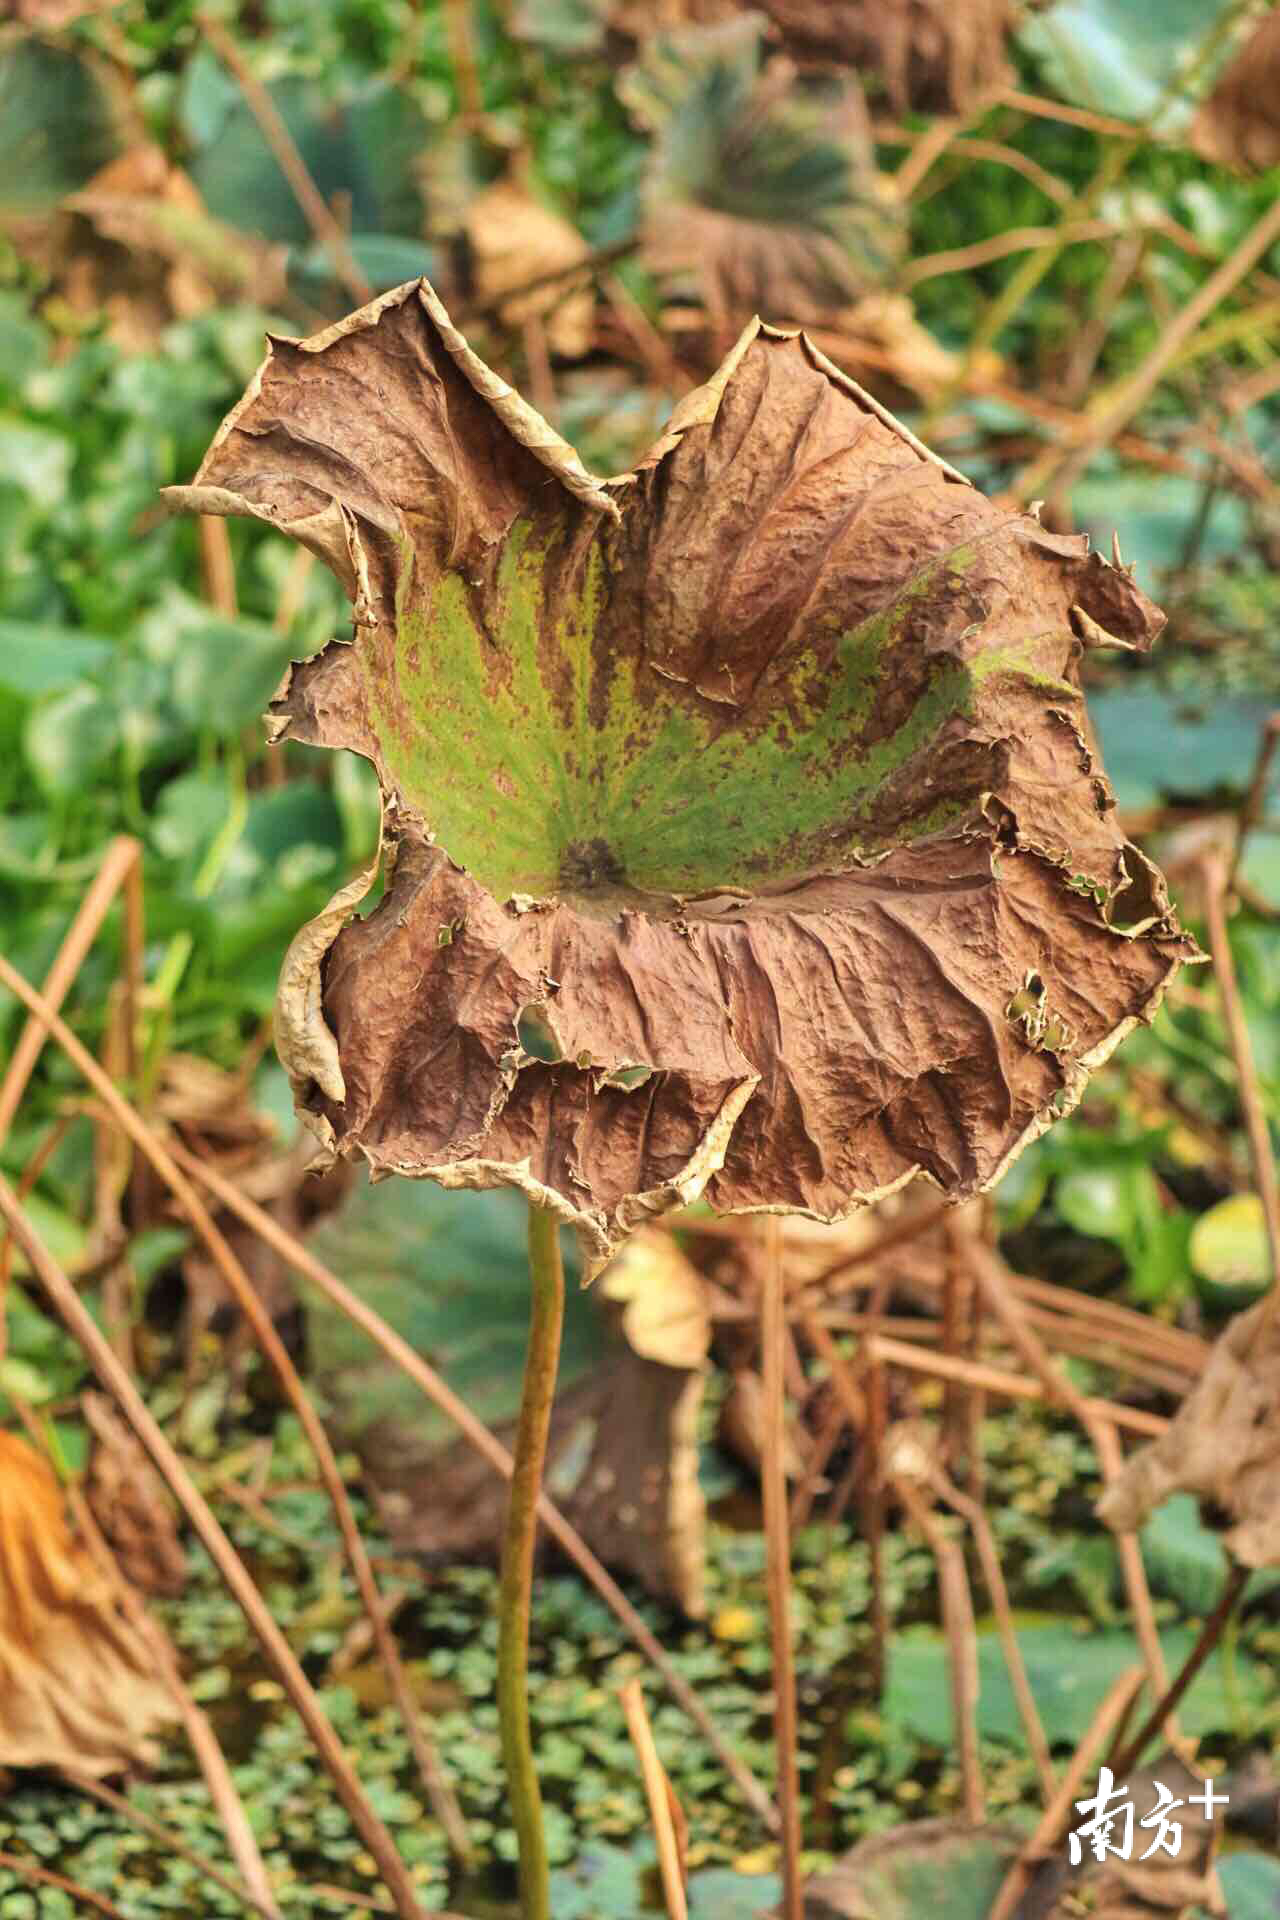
(743, 835)
(130, 1502)
(515, 240)
(1239, 124)
(78, 1686)
(933, 55)
(1223, 1445)
(665, 1314)
(137, 244)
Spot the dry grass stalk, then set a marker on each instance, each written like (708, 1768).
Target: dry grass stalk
(989, 1554)
(1099, 1422)
(121, 858)
(281, 142)
(658, 1792)
(1251, 1102)
(957, 1619)
(1011, 1386)
(1212, 1631)
(773, 1332)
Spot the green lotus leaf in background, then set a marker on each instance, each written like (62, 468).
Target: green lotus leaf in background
(761, 194)
(61, 119)
(742, 833)
(1125, 57)
(365, 145)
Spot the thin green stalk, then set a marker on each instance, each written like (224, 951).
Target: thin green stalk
(546, 1275)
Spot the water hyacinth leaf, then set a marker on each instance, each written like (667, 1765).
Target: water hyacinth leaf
(1229, 1250)
(1251, 1885)
(720, 1893)
(385, 259)
(1158, 743)
(1184, 1557)
(754, 781)
(760, 195)
(228, 669)
(565, 27)
(45, 659)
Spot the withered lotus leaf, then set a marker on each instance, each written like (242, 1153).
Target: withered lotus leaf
(933, 55)
(743, 834)
(78, 1686)
(1223, 1445)
(1239, 124)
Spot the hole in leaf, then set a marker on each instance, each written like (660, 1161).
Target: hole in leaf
(628, 1078)
(534, 1032)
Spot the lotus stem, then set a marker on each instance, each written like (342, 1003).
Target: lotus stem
(546, 1275)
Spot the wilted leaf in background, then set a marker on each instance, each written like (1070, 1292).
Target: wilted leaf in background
(639, 1499)
(78, 1686)
(934, 56)
(448, 1271)
(777, 863)
(513, 240)
(130, 1502)
(1239, 124)
(137, 243)
(1223, 1445)
(761, 192)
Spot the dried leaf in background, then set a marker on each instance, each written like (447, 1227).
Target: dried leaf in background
(130, 1502)
(934, 56)
(78, 1686)
(1239, 124)
(1223, 1445)
(137, 243)
(514, 240)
